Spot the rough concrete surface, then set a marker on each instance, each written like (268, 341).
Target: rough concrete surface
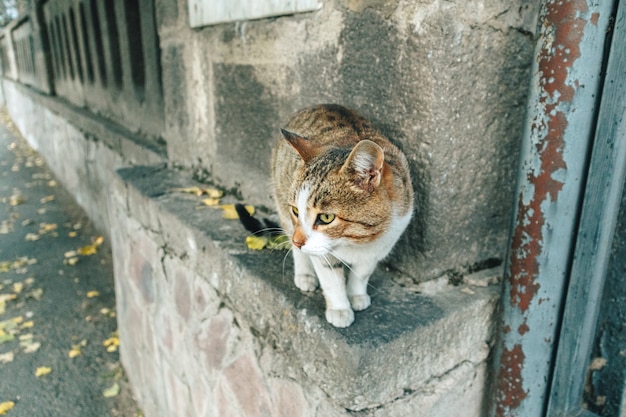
(447, 80)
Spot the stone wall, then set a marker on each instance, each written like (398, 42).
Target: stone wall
(448, 80)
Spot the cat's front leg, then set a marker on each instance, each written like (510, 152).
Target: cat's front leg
(358, 280)
(333, 283)
(304, 278)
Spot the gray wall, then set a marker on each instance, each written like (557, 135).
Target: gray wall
(448, 80)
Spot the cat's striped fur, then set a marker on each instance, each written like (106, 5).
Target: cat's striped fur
(344, 196)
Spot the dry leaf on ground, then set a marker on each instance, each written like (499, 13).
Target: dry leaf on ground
(42, 371)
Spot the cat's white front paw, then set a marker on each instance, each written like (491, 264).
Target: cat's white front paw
(306, 282)
(360, 302)
(340, 318)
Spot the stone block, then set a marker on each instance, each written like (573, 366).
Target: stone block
(251, 325)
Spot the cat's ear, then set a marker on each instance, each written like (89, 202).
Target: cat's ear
(365, 162)
(305, 147)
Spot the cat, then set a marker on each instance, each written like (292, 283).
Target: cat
(344, 196)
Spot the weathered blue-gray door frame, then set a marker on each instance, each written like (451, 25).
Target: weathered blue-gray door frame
(601, 204)
(558, 150)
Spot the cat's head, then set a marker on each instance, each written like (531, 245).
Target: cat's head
(339, 197)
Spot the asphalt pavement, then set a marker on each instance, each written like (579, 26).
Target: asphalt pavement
(58, 341)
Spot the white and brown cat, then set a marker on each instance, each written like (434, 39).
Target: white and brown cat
(344, 196)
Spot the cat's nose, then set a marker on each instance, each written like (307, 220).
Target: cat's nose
(298, 243)
(299, 238)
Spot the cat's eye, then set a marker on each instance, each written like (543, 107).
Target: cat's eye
(295, 211)
(325, 218)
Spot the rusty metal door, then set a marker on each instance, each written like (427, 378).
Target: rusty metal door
(569, 193)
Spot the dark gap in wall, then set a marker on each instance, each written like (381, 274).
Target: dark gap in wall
(62, 62)
(135, 46)
(97, 34)
(114, 43)
(75, 46)
(66, 46)
(85, 31)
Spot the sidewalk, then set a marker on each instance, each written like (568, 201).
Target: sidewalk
(58, 340)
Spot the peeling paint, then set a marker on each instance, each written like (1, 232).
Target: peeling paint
(562, 28)
(511, 392)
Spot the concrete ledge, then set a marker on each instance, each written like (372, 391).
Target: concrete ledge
(208, 325)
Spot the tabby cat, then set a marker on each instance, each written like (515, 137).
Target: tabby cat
(344, 196)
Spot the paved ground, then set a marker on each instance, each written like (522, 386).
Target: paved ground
(57, 303)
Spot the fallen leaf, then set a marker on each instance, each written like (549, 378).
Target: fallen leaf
(88, 250)
(37, 293)
(92, 294)
(52, 183)
(47, 227)
(16, 200)
(18, 287)
(31, 348)
(71, 261)
(72, 234)
(3, 307)
(278, 242)
(5, 337)
(28, 324)
(211, 201)
(7, 357)
(31, 237)
(112, 343)
(75, 351)
(112, 391)
(47, 199)
(230, 213)
(211, 192)
(70, 254)
(42, 371)
(256, 242)
(6, 406)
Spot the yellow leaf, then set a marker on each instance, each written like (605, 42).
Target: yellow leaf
(71, 261)
(256, 242)
(72, 234)
(211, 201)
(98, 241)
(7, 357)
(88, 250)
(17, 319)
(31, 237)
(42, 371)
(92, 294)
(211, 192)
(111, 343)
(278, 242)
(18, 287)
(31, 347)
(28, 324)
(75, 351)
(47, 227)
(70, 254)
(231, 214)
(7, 297)
(112, 391)
(16, 200)
(47, 199)
(6, 406)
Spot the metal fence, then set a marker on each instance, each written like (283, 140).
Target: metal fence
(102, 55)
